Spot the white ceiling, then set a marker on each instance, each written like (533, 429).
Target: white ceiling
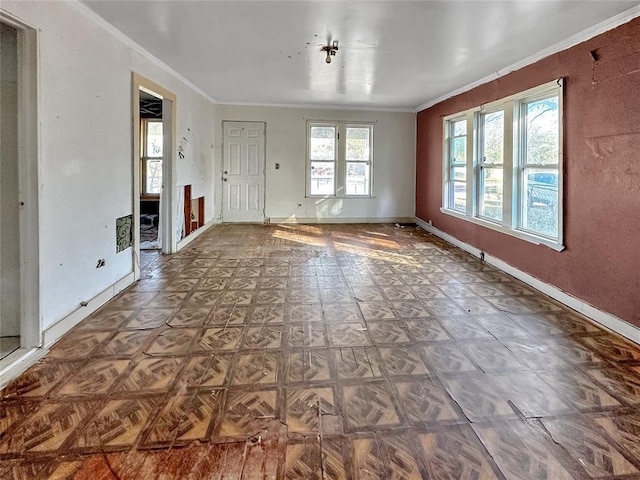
(393, 54)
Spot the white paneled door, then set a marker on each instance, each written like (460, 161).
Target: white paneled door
(243, 172)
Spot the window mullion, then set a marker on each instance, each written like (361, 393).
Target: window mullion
(340, 169)
(143, 174)
(447, 181)
(471, 162)
(478, 133)
(308, 179)
(370, 162)
(340, 178)
(509, 200)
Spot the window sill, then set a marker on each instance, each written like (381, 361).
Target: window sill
(528, 237)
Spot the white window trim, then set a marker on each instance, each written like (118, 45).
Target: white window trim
(340, 178)
(478, 166)
(511, 166)
(310, 125)
(449, 196)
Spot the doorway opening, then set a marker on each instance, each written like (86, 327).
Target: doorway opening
(9, 201)
(154, 140)
(151, 142)
(19, 248)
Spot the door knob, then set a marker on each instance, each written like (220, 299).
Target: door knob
(225, 172)
(224, 179)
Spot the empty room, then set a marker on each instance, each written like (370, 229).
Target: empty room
(320, 240)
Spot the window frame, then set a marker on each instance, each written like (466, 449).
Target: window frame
(145, 158)
(368, 162)
(514, 164)
(310, 161)
(481, 166)
(450, 179)
(522, 164)
(340, 162)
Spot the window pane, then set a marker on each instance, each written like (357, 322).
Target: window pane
(323, 143)
(357, 178)
(154, 139)
(154, 176)
(459, 128)
(491, 195)
(493, 137)
(459, 150)
(540, 203)
(322, 178)
(458, 180)
(492, 153)
(542, 137)
(358, 143)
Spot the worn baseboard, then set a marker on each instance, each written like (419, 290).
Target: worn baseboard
(600, 317)
(18, 362)
(193, 235)
(55, 331)
(14, 365)
(293, 219)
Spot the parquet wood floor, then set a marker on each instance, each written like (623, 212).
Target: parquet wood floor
(326, 352)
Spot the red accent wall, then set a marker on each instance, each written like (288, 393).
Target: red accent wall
(601, 261)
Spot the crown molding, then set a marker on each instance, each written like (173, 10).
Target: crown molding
(362, 108)
(86, 12)
(569, 42)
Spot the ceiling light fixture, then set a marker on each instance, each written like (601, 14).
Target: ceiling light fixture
(331, 50)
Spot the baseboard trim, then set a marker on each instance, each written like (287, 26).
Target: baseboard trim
(193, 235)
(294, 219)
(598, 316)
(17, 363)
(55, 331)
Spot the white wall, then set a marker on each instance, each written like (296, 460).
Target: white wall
(85, 150)
(9, 208)
(85, 153)
(394, 164)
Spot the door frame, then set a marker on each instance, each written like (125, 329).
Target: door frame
(28, 174)
(168, 242)
(264, 169)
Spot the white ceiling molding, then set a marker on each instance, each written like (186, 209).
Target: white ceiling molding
(573, 40)
(317, 106)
